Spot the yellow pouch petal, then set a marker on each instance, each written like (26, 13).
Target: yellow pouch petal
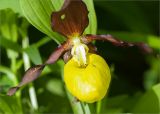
(90, 83)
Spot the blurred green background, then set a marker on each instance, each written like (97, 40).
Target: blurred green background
(135, 83)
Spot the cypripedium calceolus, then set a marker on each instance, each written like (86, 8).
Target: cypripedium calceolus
(86, 74)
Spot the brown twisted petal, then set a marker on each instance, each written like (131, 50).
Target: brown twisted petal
(89, 38)
(33, 73)
(30, 75)
(72, 19)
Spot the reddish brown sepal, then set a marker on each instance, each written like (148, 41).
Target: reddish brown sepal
(89, 38)
(12, 90)
(33, 73)
(72, 19)
(144, 47)
(30, 75)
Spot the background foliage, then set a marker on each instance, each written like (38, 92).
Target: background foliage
(26, 40)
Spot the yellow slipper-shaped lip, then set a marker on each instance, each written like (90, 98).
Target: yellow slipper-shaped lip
(88, 84)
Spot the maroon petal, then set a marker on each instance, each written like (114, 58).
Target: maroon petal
(12, 90)
(89, 38)
(58, 52)
(72, 19)
(33, 73)
(30, 75)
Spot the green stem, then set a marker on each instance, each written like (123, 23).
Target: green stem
(98, 109)
(85, 108)
(32, 93)
(76, 105)
(33, 98)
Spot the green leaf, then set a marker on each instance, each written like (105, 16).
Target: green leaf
(149, 102)
(8, 44)
(9, 73)
(92, 27)
(10, 105)
(34, 54)
(38, 13)
(55, 86)
(11, 4)
(42, 42)
(8, 24)
(151, 76)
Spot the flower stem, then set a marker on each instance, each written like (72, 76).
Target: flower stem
(86, 108)
(33, 97)
(99, 103)
(76, 105)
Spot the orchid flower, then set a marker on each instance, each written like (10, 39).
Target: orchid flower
(86, 74)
